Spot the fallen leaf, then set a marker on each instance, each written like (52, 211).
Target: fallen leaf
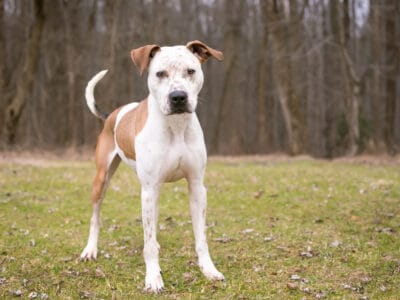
(16, 293)
(365, 279)
(66, 259)
(321, 295)
(292, 286)
(347, 286)
(282, 248)
(388, 230)
(113, 227)
(258, 194)
(389, 215)
(248, 230)
(223, 239)
(169, 220)
(306, 290)
(44, 296)
(99, 273)
(305, 280)
(295, 277)
(25, 282)
(307, 254)
(335, 244)
(86, 294)
(188, 277)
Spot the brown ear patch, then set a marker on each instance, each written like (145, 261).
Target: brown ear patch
(203, 52)
(129, 127)
(141, 56)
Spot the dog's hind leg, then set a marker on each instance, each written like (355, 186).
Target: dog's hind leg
(107, 162)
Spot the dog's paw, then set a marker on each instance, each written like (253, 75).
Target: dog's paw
(213, 274)
(89, 253)
(210, 271)
(154, 283)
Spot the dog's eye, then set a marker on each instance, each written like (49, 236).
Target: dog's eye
(191, 71)
(161, 74)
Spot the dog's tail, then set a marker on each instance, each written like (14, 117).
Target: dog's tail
(89, 94)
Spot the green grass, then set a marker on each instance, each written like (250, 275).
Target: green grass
(277, 230)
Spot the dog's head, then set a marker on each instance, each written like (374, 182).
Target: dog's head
(175, 75)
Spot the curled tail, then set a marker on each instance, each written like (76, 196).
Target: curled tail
(90, 101)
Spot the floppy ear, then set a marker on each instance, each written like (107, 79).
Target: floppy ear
(141, 56)
(203, 52)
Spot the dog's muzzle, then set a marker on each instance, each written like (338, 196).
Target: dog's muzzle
(178, 102)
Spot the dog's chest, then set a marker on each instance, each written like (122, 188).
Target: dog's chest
(178, 158)
(170, 151)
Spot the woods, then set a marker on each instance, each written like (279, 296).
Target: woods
(299, 76)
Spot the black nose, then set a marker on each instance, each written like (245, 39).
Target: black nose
(178, 98)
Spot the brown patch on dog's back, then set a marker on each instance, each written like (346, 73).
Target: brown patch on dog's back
(129, 127)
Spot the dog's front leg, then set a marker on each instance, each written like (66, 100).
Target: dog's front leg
(154, 282)
(198, 207)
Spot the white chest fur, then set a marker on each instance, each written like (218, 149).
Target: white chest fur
(169, 147)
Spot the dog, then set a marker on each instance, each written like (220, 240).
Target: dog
(162, 140)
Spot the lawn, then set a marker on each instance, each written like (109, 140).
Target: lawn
(277, 229)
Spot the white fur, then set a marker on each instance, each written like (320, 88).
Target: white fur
(168, 148)
(89, 92)
(176, 61)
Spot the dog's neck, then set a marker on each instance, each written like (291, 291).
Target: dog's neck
(176, 123)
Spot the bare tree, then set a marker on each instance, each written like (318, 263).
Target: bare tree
(31, 57)
(392, 64)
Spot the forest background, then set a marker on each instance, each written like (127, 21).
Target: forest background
(300, 76)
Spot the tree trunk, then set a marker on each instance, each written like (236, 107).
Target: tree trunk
(25, 79)
(262, 78)
(230, 64)
(70, 57)
(352, 80)
(2, 62)
(281, 70)
(392, 63)
(377, 90)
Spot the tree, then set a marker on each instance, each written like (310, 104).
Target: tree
(24, 83)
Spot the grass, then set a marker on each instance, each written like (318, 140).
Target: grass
(277, 230)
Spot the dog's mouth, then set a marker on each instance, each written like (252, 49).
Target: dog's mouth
(179, 110)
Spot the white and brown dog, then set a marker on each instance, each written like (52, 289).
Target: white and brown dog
(161, 139)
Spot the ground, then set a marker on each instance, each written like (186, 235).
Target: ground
(277, 228)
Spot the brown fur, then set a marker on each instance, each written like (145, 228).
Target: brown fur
(203, 52)
(141, 56)
(129, 127)
(105, 145)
